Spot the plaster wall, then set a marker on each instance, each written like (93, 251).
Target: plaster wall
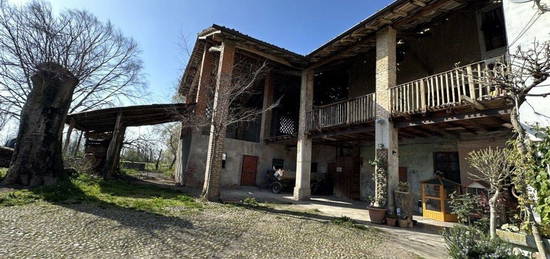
(236, 149)
(467, 146)
(415, 154)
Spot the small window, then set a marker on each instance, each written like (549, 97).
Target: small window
(278, 163)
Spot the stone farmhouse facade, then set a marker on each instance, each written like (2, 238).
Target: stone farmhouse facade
(399, 85)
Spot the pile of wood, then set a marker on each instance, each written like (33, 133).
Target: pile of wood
(5, 156)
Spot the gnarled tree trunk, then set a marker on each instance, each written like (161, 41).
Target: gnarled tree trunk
(493, 214)
(37, 159)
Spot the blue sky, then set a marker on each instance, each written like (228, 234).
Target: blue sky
(160, 26)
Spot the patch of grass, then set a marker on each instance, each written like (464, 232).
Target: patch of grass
(128, 171)
(250, 201)
(348, 222)
(89, 189)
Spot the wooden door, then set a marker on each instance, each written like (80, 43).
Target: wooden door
(249, 170)
(347, 181)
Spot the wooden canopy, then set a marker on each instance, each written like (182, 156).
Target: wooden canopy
(105, 119)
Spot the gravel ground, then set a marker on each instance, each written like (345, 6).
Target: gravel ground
(45, 230)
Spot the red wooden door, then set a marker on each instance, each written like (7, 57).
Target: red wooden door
(249, 170)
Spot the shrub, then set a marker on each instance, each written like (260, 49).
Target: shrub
(464, 206)
(468, 242)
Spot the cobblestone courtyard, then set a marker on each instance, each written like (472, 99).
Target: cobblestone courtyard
(46, 230)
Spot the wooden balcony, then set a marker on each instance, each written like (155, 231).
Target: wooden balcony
(351, 112)
(457, 87)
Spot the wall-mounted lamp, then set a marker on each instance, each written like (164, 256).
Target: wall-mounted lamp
(224, 158)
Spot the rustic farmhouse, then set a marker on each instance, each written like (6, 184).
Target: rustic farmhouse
(401, 85)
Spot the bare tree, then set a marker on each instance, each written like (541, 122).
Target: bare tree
(494, 167)
(525, 70)
(104, 61)
(227, 104)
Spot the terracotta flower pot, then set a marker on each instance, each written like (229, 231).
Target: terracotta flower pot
(392, 222)
(377, 215)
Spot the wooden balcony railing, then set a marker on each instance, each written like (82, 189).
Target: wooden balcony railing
(348, 112)
(439, 91)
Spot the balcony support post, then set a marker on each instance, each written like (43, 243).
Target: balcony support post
(265, 130)
(302, 189)
(386, 141)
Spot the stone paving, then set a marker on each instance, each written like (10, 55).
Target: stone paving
(44, 230)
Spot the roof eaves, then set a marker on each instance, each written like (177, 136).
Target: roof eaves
(358, 25)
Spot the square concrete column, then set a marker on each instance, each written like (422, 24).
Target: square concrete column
(302, 190)
(206, 80)
(267, 102)
(386, 141)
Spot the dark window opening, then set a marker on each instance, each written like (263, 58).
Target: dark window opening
(248, 130)
(278, 163)
(331, 86)
(446, 163)
(493, 28)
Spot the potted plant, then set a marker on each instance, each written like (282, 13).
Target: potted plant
(391, 220)
(377, 209)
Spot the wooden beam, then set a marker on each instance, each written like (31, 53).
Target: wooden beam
(467, 128)
(477, 105)
(418, 3)
(364, 129)
(266, 55)
(448, 118)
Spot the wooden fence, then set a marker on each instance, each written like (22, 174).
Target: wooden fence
(450, 88)
(348, 112)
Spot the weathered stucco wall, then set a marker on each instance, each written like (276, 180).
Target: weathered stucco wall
(414, 154)
(469, 145)
(236, 149)
(417, 155)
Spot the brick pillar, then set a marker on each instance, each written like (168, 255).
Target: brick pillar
(386, 134)
(267, 101)
(212, 179)
(302, 190)
(206, 81)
